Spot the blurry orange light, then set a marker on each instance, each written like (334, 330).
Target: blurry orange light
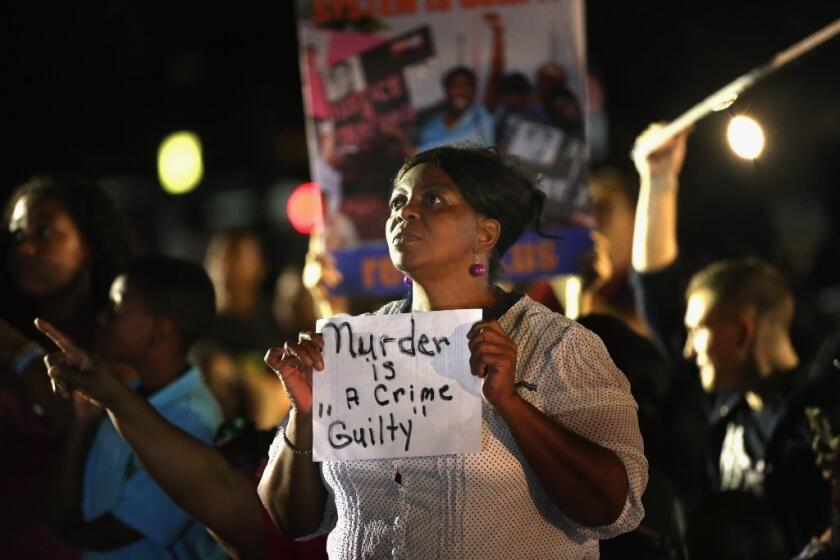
(304, 207)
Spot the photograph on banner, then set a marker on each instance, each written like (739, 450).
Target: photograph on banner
(396, 386)
(380, 85)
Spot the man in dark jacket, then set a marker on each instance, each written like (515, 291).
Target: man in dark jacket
(733, 323)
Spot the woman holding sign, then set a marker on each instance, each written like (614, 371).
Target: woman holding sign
(561, 462)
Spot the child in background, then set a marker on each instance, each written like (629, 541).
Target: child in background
(194, 475)
(105, 501)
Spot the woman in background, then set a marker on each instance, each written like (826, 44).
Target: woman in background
(62, 244)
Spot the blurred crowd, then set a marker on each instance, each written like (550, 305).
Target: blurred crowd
(739, 421)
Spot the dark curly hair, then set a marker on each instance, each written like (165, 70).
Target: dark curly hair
(104, 231)
(494, 185)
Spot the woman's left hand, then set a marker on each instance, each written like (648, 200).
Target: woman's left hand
(493, 358)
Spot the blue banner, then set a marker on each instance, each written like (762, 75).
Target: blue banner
(368, 271)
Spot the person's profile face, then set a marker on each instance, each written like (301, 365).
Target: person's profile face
(712, 343)
(125, 327)
(47, 252)
(460, 92)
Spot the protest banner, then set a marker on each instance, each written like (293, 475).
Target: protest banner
(383, 80)
(396, 386)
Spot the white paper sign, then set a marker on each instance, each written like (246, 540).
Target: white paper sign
(396, 386)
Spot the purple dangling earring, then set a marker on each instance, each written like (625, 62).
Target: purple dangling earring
(407, 281)
(476, 268)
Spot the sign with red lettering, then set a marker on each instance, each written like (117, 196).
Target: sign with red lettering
(367, 93)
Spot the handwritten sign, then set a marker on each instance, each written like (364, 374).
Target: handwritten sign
(396, 386)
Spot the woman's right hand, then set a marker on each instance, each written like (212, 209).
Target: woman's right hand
(293, 364)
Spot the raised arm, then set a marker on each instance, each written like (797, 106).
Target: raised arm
(193, 474)
(105, 532)
(497, 60)
(655, 233)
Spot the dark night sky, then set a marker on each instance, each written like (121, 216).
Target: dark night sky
(91, 90)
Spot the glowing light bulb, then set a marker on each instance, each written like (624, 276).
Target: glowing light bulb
(745, 136)
(180, 165)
